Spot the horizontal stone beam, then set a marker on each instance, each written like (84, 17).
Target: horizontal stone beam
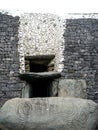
(30, 76)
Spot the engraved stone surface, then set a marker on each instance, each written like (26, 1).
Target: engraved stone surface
(72, 88)
(49, 114)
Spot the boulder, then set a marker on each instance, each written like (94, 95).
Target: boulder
(72, 88)
(54, 113)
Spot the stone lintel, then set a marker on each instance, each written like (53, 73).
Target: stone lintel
(30, 76)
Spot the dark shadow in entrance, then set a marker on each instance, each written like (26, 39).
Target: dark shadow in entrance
(39, 74)
(40, 88)
(37, 67)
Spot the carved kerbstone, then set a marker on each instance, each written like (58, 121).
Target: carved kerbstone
(49, 114)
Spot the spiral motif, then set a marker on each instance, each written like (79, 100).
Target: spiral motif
(24, 109)
(82, 120)
(71, 112)
(50, 113)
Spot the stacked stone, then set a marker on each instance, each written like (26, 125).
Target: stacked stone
(10, 84)
(41, 34)
(81, 53)
(76, 52)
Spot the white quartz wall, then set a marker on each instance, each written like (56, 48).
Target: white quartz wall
(41, 34)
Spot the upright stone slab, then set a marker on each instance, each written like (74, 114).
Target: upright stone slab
(72, 88)
(49, 114)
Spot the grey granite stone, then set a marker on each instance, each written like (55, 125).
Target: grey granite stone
(72, 88)
(30, 76)
(49, 114)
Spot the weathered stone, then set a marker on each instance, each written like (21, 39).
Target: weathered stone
(49, 114)
(9, 57)
(72, 88)
(73, 42)
(36, 76)
(38, 35)
(81, 51)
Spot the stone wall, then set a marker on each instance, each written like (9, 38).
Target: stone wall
(10, 85)
(81, 52)
(41, 34)
(73, 41)
(26, 35)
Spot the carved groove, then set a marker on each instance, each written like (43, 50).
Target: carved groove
(24, 109)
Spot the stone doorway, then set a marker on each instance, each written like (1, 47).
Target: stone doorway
(43, 63)
(40, 77)
(40, 88)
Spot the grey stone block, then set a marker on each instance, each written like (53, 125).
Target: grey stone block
(49, 113)
(72, 88)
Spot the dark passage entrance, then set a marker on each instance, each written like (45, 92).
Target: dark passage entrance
(37, 67)
(42, 84)
(40, 88)
(39, 63)
(40, 76)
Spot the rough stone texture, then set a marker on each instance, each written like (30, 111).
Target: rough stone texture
(72, 88)
(76, 52)
(49, 113)
(26, 35)
(81, 53)
(36, 76)
(79, 58)
(10, 85)
(41, 34)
